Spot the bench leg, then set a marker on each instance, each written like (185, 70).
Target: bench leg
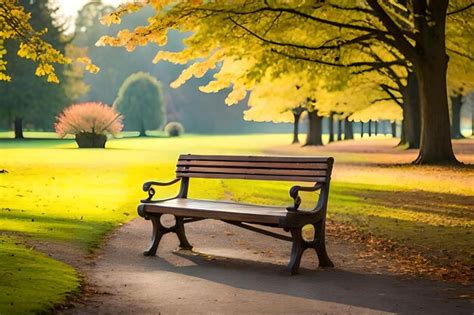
(320, 244)
(297, 249)
(299, 245)
(180, 232)
(158, 232)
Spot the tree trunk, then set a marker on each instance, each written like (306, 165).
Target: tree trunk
(315, 128)
(331, 127)
(431, 67)
(414, 113)
(394, 129)
(142, 130)
(296, 123)
(402, 129)
(18, 127)
(339, 129)
(376, 127)
(456, 104)
(348, 130)
(370, 128)
(411, 124)
(361, 130)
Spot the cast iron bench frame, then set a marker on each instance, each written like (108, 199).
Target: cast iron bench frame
(271, 168)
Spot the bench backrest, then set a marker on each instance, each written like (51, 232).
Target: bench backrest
(271, 168)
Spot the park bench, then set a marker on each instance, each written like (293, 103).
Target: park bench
(316, 170)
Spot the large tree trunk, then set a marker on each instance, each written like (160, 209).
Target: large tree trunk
(315, 129)
(431, 67)
(414, 114)
(348, 130)
(456, 104)
(331, 127)
(296, 124)
(339, 129)
(18, 127)
(411, 124)
(402, 130)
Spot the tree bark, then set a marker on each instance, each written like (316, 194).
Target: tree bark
(339, 129)
(394, 129)
(370, 128)
(414, 114)
(431, 68)
(376, 127)
(348, 130)
(142, 130)
(296, 123)
(315, 129)
(402, 130)
(411, 123)
(18, 128)
(331, 127)
(456, 104)
(361, 130)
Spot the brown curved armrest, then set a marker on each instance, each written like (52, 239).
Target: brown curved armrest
(151, 191)
(294, 193)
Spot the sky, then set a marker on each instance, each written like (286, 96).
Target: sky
(68, 8)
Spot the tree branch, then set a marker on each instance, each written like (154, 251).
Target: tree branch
(322, 47)
(372, 65)
(460, 53)
(401, 42)
(461, 9)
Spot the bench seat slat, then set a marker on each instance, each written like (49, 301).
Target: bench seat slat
(219, 210)
(313, 179)
(254, 158)
(250, 171)
(256, 164)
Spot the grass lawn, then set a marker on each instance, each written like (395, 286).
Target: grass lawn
(56, 193)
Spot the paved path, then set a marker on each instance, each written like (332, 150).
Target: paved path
(244, 273)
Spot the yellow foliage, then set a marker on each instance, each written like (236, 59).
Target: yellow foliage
(258, 49)
(92, 68)
(15, 25)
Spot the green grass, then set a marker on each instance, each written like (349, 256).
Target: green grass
(57, 193)
(31, 282)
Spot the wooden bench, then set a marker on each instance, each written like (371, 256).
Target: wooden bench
(316, 170)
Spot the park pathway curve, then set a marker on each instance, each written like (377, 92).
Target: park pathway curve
(240, 272)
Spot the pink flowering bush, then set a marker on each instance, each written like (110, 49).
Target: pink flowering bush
(90, 123)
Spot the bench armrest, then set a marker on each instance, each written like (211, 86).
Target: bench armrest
(147, 186)
(294, 193)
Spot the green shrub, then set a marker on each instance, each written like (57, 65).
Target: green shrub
(174, 129)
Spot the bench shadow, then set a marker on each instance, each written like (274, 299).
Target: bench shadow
(386, 293)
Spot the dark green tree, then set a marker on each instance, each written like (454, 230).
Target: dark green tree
(140, 100)
(28, 100)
